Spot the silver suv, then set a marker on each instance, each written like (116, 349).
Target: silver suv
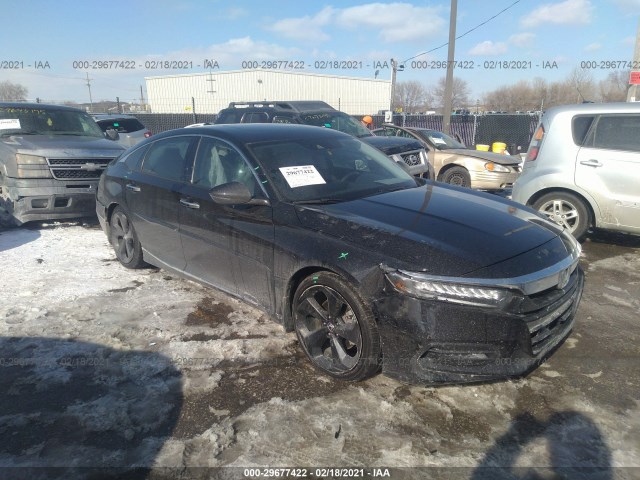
(582, 169)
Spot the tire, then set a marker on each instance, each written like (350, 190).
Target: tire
(336, 328)
(566, 210)
(457, 176)
(125, 240)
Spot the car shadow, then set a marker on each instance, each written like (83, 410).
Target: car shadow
(613, 238)
(72, 409)
(575, 449)
(14, 237)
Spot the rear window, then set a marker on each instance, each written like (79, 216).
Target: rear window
(581, 126)
(121, 125)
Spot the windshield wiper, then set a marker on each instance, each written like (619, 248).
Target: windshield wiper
(18, 134)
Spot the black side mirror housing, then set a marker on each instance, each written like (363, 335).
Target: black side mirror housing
(234, 193)
(111, 134)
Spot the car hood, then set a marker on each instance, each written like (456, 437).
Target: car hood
(392, 145)
(488, 156)
(440, 230)
(63, 146)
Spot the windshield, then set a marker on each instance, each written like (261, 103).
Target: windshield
(41, 121)
(337, 121)
(440, 140)
(328, 170)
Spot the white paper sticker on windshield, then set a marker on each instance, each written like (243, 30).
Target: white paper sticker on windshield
(302, 176)
(9, 123)
(439, 141)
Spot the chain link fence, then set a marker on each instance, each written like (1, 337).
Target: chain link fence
(513, 130)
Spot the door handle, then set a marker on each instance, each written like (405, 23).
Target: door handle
(133, 187)
(189, 204)
(591, 163)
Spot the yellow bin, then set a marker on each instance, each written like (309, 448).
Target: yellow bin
(498, 147)
(484, 148)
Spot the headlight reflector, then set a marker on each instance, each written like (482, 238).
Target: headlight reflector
(495, 167)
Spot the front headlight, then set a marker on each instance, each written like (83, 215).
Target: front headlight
(32, 166)
(24, 159)
(495, 167)
(448, 290)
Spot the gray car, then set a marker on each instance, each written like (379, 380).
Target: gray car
(129, 129)
(582, 168)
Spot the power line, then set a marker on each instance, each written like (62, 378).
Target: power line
(465, 33)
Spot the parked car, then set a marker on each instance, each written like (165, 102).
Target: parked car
(129, 129)
(370, 266)
(582, 168)
(321, 114)
(456, 164)
(51, 158)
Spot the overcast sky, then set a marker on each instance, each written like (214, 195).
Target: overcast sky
(518, 44)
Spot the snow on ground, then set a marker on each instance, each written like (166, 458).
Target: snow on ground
(103, 366)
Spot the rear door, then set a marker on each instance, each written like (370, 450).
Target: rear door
(153, 197)
(608, 166)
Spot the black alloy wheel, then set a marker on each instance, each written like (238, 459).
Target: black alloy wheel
(336, 329)
(125, 241)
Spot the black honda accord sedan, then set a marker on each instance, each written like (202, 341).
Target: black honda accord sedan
(372, 268)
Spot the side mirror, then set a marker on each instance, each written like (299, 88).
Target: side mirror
(111, 134)
(235, 193)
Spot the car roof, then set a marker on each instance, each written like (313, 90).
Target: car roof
(583, 108)
(39, 106)
(256, 132)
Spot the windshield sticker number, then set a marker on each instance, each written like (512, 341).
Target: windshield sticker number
(439, 141)
(9, 123)
(302, 176)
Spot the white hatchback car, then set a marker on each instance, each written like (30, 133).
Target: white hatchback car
(582, 168)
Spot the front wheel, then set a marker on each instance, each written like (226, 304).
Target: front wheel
(566, 210)
(335, 328)
(457, 176)
(124, 240)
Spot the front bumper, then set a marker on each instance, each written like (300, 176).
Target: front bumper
(44, 199)
(428, 341)
(485, 180)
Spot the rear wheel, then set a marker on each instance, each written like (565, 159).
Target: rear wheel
(457, 176)
(336, 329)
(566, 210)
(124, 240)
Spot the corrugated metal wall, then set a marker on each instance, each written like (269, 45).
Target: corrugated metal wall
(213, 91)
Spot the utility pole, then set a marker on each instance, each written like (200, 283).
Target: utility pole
(632, 92)
(448, 89)
(394, 68)
(142, 100)
(90, 98)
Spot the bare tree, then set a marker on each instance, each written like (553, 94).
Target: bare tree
(581, 80)
(460, 93)
(614, 87)
(411, 96)
(12, 92)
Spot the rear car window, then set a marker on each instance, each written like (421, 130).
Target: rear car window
(121, 125)
(618, 132)
(581, 126)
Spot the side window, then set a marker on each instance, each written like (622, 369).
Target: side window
(134, 159)
(618, 132)
(581, 126)
(255, 117)
(167, 158)
(218, 163)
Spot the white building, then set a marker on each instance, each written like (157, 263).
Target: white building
(211, 92)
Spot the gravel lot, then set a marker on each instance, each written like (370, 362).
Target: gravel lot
(105, 367)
